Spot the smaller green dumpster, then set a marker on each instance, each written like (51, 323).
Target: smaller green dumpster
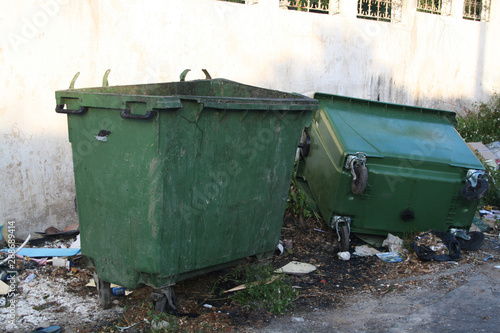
(177, 179)
(379, 168)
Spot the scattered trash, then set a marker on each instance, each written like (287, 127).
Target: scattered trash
(393, 243)
(47, 252)
(475, 241)
(3, 302)
(207, 306)
(16, 251)
(118, 291)
(494, 147)
(280, 247)
(76, 243)
(126, 328)
(244, 286)
(490, 212)
(30, 264)
(297, 320)
(365, 250)
(40, 262)
(320, 230)
(488, 258)
(92, 284)
(287, 243)
(481, 225)
(157, 324)
(344, 255)
(50, 329)
(390, 257)
(436, 245)
(497, 266)
(30, 278)
(296, 268)
(4, 288)
(60, 262)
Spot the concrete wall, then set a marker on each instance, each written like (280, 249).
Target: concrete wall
(427, 60)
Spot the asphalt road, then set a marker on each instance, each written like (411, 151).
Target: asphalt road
(465, 298)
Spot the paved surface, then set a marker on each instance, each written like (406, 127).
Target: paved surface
(462, 299)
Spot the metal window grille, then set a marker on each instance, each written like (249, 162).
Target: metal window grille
(380, 10)
(312, 6)
(429, 6)
(247, 2)
(440, 7)
(477, 10)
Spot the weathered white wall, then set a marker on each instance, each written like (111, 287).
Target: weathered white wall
(427, 60)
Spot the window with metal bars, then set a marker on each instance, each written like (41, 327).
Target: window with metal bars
(248, 2)
(477, 10)
(380, 10)
(312, 6)
(430, 6)
(439, 7)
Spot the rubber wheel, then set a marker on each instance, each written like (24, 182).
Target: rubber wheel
(345, 242)
(474, 193)
(474, 243)
(358, 185)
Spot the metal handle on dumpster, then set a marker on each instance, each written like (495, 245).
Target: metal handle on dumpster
(60, 109)
(125, 114)
(182, 77)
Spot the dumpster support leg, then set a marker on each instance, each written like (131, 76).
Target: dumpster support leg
(104, 291)
(164, 299)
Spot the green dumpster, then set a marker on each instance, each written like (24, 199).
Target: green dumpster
(177, 179)
(379, 168)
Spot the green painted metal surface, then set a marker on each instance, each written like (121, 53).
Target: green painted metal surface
(416, 162)
(199, 185)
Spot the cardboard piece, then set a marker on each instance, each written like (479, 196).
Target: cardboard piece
(296, 268)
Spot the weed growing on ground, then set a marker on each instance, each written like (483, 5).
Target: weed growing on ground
(297, 202)
(266, 290)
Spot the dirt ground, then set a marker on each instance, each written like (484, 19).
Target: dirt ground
(362, 294)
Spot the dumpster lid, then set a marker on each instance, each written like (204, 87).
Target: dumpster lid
(390, 130)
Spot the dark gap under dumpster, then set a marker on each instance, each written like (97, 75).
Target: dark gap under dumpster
(379, 168)
(177, 179)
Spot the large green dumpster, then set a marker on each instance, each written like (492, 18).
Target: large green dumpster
(379, 168)
(178, 179)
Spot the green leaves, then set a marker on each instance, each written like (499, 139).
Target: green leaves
(482, 123)
(266, 290)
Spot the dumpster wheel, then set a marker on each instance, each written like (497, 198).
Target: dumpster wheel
(164, 300)
(470, 193)
(474, 243)
(358, 184)
(104, 292)
(345, 241)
